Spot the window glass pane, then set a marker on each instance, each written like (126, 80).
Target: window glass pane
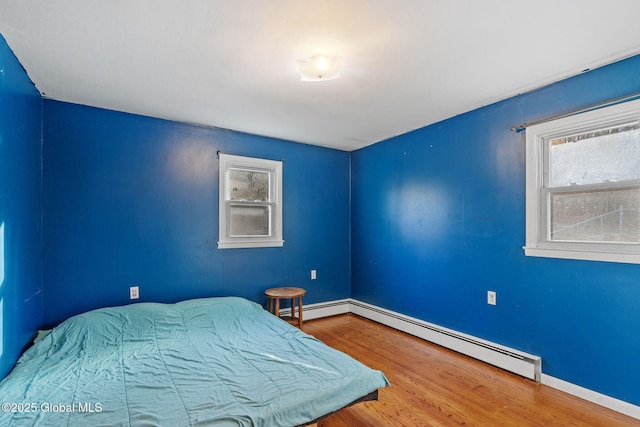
(248, 185)
(249, 220)
(611, 154)
(611, 215)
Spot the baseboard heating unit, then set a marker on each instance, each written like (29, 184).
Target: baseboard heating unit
(515, 361)
(319, 310)
(526, 365)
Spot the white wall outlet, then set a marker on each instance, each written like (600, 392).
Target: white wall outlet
(313, 275)
(134, 292)
(491, 298)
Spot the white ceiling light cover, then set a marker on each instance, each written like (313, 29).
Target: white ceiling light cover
(319, 68)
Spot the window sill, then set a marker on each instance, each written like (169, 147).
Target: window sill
(254, 244)
(629, 258)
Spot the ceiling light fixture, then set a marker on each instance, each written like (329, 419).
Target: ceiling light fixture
(319, 68)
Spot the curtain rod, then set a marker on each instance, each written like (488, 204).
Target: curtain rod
(573, 113)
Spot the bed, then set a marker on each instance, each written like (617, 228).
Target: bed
(210, 361)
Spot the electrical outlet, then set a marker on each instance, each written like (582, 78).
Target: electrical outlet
(313, 275)
(134, 292)
(491, 298)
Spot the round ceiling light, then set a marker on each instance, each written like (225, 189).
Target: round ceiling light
(319, 68)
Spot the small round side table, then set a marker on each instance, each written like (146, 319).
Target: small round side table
(276, 294)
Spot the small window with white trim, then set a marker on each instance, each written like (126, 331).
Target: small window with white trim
(583, 186)
(250, 202)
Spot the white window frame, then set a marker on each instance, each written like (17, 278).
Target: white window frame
(274, 169)
(537, 242)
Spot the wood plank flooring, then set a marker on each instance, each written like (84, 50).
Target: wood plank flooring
(433, 386)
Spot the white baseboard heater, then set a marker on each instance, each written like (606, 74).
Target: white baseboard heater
(524, 364)
(515, 361)
(509, 359)
(319, 310)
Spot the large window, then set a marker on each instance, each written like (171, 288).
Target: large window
(583, 186)
(250, 202)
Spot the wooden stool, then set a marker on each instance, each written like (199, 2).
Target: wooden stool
(276, 294)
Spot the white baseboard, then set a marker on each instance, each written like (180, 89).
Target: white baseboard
(323, 309)
(423, 330)
(592, 396)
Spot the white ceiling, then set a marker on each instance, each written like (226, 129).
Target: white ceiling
(232, 63)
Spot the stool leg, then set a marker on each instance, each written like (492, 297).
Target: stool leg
(270, 305)
(300, 312)
(277, 307)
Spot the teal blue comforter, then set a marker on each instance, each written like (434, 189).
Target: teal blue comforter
(203, 362)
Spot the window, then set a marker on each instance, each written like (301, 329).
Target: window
(583, 186)
(250, 202)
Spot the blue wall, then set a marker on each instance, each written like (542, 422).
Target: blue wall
(131, 200)
(438, 218)
(20, 197)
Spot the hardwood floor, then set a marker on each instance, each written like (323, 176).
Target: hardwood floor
(433, 386)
